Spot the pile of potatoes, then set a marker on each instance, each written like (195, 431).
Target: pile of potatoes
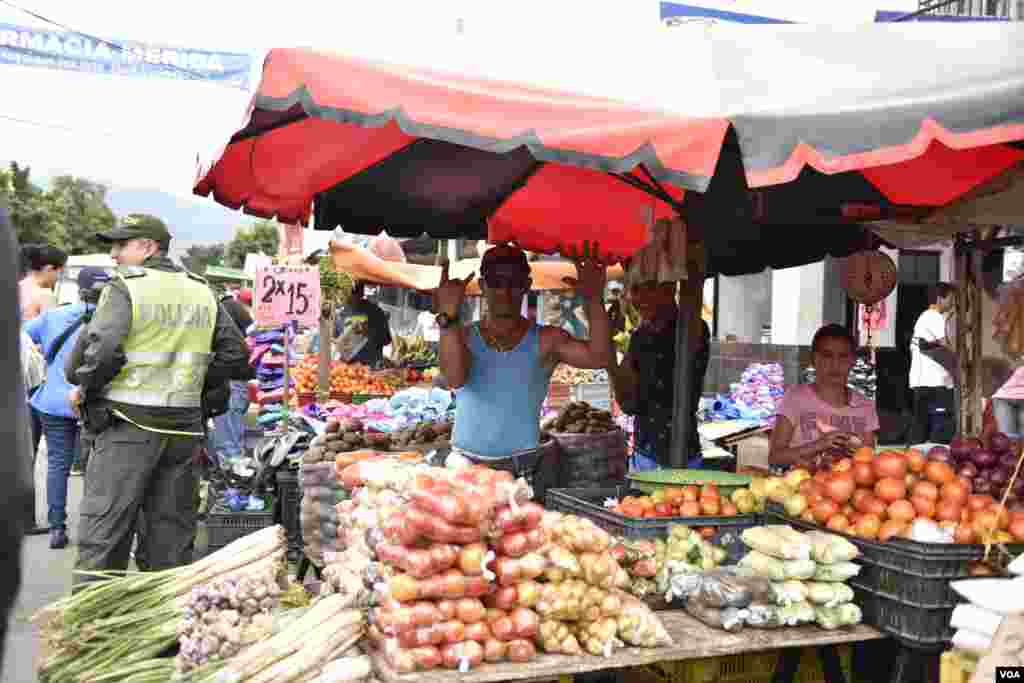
(422, 434)
(343, 436)
(581, 418)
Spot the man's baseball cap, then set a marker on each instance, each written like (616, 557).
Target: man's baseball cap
(137, 226)
(91, 276)
(504, 260)
(245, 296)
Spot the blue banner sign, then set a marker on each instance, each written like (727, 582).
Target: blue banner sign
(67, 51)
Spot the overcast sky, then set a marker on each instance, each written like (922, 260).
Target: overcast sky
(147, 132)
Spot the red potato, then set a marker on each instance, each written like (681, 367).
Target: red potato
(493, 614)
(512, 570)
(644, 568)
(525, 517)
(418, 563)
(397, 529)
(472, 559)
(470, 610)
(480, 632)
(441, 531)
(408, 618)
(411, 661)
(506, 598)
(519, 543)
(463, 656)
(521, 651)
(525, 622)
(452, 631)
(421, 637)
(477, 587)
(503, 629)
(495, 651)
(447, 610)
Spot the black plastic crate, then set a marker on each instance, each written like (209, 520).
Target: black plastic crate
(225, 526)
(289, 496)
(589, 503)
(915, 627)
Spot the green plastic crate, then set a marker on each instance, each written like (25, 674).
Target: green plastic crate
(727, 482)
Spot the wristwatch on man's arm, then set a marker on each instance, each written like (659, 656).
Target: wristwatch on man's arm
(444, 320)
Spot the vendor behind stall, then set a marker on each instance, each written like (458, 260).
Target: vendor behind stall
(644, 381)
(825, 418)
(500, 367)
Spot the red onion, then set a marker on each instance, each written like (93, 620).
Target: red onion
(983, 459)
(958, 448)
(982, 486)
(940, 454)
(1008, 460)
(968, 470)
(999, 476)
(999, 443)
(1018, 486)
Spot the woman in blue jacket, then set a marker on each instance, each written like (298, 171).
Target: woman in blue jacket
(55, 332)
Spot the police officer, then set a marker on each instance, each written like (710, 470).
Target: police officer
(157, 338)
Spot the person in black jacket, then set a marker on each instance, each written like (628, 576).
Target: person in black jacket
(15, 432)
(228, 436)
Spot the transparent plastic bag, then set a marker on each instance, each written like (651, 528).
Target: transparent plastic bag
(839, 572)
(830, 548)
(781, 542)
(775, 569)
(728, 619)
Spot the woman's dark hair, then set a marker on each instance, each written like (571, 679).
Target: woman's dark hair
(939, 291)
(833, 331)
(38, 256)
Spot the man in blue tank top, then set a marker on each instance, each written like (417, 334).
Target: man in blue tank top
(500, 367)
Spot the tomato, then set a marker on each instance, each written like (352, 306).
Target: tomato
(978, 502)
(710, 506)
(955, 490)
(664, 510)
(964, 533)
(709, 491)
(948, 511)
(840, 487)
(691, 493)
(690, 508)
(858, 497)
(673, 496)
(925, 507)
(844, 465)
(729, 510)
(916, 461)
(839, 523)
(824, 510)
(890, 528)
(890, 489)
(864, 455)
(864, 474)
(925, 489)
(902, 510)
(939, 472)
(890, 464)
(868, 526)
(1017, 529)
(808, 516)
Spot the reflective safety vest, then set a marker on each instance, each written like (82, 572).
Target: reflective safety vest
(169, 346)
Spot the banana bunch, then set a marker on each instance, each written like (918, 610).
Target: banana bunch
(632, 321)
(412, 351)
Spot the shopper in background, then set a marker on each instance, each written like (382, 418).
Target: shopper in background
(934, 418)
(816, 421)
(644, 382)
(378, 330)
(229, 427)
(43, 265)
(159, 336)
(14, 431)
(56, 331)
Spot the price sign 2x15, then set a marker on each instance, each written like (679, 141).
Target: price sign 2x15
(286, 293)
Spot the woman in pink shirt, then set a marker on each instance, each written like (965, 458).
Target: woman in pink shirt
(43, 265)
(827, 416)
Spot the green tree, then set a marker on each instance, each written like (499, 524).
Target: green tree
(32, 214)
(81, 207)
(261, 236)
(199, 256)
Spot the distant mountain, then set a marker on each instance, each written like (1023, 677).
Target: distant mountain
(197, 220)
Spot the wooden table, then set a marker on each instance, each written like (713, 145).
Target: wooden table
(693, 640)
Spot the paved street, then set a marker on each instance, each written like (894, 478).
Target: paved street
(46, 576)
